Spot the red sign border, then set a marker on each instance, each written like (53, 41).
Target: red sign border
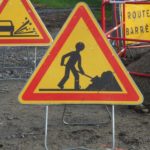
(130, 96)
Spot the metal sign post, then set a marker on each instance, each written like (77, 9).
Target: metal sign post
(46, 128)
(113, 127)
(46, 108)
(35, 58)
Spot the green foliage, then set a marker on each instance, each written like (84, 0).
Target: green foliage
(66, 3)
(71, 4)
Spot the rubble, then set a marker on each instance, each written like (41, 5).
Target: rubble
(106, 82)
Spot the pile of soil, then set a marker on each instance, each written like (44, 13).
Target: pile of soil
(106, 82)
(142, 65)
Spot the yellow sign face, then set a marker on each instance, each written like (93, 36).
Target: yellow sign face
(94, 63)
(137, 21)
(21, 25)
(81, 67)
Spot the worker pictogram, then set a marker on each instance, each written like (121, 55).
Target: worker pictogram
(20, 24)
(70, 66)
(81, 67)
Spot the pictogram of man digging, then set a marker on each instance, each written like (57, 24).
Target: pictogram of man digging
(70, 66)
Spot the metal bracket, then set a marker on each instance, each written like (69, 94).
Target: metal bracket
(83, 124)
(81, 148)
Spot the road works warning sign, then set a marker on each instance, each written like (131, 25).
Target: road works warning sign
(81, 67)
(21, 25)
(137, 21)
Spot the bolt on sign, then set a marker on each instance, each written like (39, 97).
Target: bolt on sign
(21, 25)
(137, 21)
(81, 67)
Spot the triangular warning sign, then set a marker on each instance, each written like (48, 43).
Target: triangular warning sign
(81, 67)
(21, 25)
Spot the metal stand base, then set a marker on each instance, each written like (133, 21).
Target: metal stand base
(83, 124)
(80, 148)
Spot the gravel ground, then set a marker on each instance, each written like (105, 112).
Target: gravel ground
(22, 126)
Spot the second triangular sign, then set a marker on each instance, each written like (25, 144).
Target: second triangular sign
(21, 25)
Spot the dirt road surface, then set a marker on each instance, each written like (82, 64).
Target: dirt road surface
(22, 126)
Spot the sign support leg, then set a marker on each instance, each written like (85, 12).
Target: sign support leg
(46, 112)
(35, 57)
(46, 128)
(82, 123)
(113, 127)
